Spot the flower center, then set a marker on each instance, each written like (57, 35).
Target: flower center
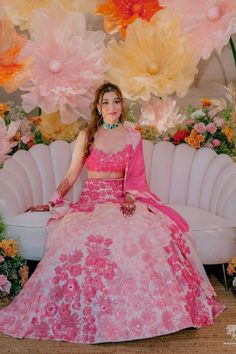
(153, 67)
(214, 13)
(54, 66)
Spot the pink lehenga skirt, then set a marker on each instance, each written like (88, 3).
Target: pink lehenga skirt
(106, 277)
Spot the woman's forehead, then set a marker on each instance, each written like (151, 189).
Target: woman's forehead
(110, 95)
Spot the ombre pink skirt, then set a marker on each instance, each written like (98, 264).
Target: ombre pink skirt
(106, 277)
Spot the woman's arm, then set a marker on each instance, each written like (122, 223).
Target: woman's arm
(76, 165)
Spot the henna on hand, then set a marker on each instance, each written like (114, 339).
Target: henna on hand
(128, 209)
(41, 207)
(63, 187)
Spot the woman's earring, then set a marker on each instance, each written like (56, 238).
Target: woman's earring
(99, 112)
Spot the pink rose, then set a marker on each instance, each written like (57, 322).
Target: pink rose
(219, 122)
(200, 127)
(25, 139)
(3, 280)
(189, 121)
(211, 128)
(216, 142)
(1, 258)
(5, 285)
(208, 145)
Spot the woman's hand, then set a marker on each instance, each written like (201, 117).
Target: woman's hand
(128, 209)
(42, 207)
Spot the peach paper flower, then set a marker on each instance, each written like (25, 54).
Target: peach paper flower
(210, 23)
(13, 71)
(119, 14)
(20, 11)
(67, 64)
(153, 59)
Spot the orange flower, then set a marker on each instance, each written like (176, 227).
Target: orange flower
(24, 274)
(3, 108)
(119, 14)
(9, 248)
(195, 139)
(12, 71)
(35, 120)
(205, 102)
(228, 132)
(230, 269)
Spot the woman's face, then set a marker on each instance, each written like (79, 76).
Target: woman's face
(110, 107)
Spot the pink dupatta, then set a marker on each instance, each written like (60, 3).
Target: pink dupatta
(136, 183)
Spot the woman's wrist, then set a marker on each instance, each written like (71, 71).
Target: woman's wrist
(129, 198)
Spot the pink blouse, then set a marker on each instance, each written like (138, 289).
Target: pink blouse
(101, 161)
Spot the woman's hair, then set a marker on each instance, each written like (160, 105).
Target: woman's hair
(96, 118)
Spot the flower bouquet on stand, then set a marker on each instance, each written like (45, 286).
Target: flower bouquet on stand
(231, 271)
(13, 271)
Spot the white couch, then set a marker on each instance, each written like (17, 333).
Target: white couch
(200, 185)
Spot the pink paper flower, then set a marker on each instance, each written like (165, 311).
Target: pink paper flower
(211, 128)
(1, 258)
(200, 127)
(210, 23)
(163, 114)
(67, 64)
(7, 132)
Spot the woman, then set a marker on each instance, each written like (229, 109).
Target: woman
(118, 264)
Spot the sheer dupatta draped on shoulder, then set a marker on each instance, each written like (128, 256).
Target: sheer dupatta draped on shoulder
(136, 182)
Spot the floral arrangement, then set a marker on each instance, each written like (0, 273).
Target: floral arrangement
(17, 130)
(231, 270)
(211, 125)
(13, 271)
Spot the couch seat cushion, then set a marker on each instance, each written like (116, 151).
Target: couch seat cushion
(30, 231)
(214, 237)
(199, 219)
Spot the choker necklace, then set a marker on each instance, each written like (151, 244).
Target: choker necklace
(110, 126)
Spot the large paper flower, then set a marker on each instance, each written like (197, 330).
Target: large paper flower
(6, 135)
(154, 58)
(118, 14)
(67, 64)
(210, 22)
(52, 128)
(12, 70)
(163, 114)
(20, 10)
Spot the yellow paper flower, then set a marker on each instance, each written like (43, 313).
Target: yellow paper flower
(228, 132)
(9, 248)
(195, 139)
(52, 128)
(20, 11)
(155, 58)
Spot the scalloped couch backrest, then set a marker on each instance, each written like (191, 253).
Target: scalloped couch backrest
(177, 174)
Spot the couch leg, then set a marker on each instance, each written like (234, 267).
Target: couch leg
(224, 274)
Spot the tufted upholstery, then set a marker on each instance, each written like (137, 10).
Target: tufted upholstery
(200, 185)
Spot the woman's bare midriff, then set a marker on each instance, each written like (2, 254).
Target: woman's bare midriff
(102, 175)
